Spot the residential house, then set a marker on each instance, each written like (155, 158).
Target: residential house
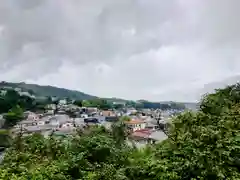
(163, 124)
(111, 118)
(152, 125)
(146, 136)
(131, 111)
(140, 137)
(54, 121)
(135, 124)
(73, 107)
(49, 112)
(91, 110)
(91, 121)
(60, 120)
(26, 123)
(33, 116)
(79, 122)
(61, 111)
(100, 118)
(84, 115)
(32, 122)
(107, 113)
(67, 124)
(62, 102)
(51, 106)
(45, 118)
(39, 129)
(40, 123)
(31, 126)
(119, 113)
(53, 98)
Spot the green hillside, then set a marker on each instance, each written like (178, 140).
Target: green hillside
(40, 90)
(43, 91)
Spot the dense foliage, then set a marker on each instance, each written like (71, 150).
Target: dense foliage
(204, 145)
(94, 155)
(98, 102)
(156, 105)
(12, 106)
(5, 139)
(163, 106)
(13, 116)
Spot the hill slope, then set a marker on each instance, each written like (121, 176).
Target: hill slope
(49, 91)
(43, 91)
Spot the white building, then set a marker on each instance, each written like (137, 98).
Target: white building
(32, 116)
(135, 124)
(52, 106)
(62, 102)
(3, 92)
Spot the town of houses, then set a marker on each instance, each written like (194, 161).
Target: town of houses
(145, 126)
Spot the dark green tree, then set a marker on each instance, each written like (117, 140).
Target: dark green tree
(78, 103)
(13, 116)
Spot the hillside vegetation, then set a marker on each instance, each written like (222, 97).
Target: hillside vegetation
(51, 91)
(203, 145)
(40, 90)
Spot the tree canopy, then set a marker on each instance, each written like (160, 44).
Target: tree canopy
(12, 105)
(98, 102)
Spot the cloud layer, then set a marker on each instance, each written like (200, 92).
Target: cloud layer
(136, 49)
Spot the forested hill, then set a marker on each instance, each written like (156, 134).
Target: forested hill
(40, 90)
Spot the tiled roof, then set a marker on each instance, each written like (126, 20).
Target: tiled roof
(108, 113)
(142, 133)
(61, 119)
(27, 122)
(134, 121)
(150, 134)
(38, 128)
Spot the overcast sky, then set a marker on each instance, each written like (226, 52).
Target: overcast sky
(135, 49)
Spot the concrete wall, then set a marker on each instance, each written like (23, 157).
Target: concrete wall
(2, 121)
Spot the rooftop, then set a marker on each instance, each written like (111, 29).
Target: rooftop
(134, 121)
(143, 133)
(27, 122)
(158, 136)
(38, 128)
(150, 134)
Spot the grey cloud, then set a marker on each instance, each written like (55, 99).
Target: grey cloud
(82, 31)
(155, 46)
(29, 4)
